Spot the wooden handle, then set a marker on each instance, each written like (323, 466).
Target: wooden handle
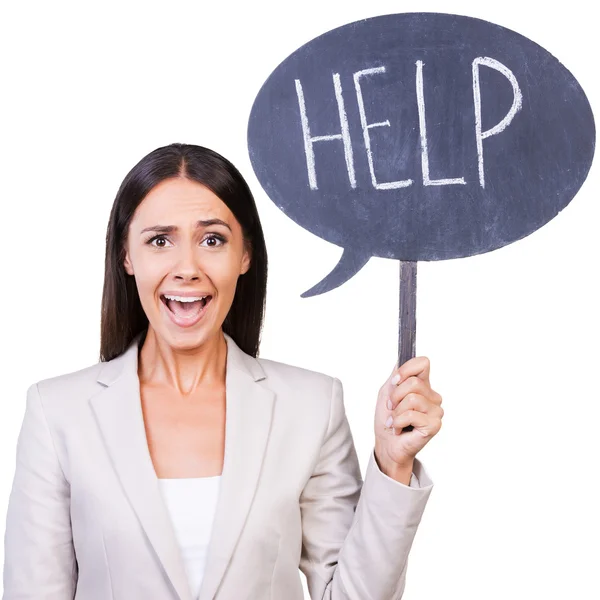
(407, 321)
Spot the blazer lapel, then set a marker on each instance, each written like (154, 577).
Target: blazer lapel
(249, 410)
(119, 414)
(248, 423)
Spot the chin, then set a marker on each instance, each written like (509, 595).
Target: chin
(188, 339)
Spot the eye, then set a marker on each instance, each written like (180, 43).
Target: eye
(158, 241)
(214, 240)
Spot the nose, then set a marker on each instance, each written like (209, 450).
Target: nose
(187, 267)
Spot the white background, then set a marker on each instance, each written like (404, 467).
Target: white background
(512, 335)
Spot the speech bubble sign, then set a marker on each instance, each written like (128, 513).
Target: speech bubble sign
(420, 136)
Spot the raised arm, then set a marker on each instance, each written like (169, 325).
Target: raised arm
(39, 559)
(357, 537)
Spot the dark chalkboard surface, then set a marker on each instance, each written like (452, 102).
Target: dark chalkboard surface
(420, 136)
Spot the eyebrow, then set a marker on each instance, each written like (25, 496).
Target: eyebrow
(172, 228)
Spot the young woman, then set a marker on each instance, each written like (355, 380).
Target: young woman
(181, 466)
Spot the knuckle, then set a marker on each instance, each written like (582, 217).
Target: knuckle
(410, 401)
(414, 382)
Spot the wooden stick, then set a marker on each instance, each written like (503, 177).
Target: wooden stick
(407, 322)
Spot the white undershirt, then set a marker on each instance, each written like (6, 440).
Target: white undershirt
(191, 503)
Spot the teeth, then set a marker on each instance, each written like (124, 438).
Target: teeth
(185, 298)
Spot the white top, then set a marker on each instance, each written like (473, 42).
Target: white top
(192, 503)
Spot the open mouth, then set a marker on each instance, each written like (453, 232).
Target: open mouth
(185, 310)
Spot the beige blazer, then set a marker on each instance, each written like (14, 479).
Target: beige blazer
(86, 518)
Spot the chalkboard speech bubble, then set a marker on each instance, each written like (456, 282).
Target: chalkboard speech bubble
(420, 136)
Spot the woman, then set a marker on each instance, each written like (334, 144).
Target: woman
(181, 466)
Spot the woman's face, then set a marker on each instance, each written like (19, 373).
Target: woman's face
(184, 244)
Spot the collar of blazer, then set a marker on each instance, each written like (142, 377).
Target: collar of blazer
(249, 410)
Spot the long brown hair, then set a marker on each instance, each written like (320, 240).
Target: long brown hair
(122, 314)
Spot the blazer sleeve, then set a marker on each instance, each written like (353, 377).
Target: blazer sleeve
(39, 558)
(357, 537)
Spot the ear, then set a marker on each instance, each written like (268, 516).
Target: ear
(246, 260)
(127, 264)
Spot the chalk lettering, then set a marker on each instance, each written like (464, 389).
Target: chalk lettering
(366, 126)
(423, 135)
(516, 106)
(310, 140)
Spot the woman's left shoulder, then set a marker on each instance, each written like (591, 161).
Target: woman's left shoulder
(278, 372)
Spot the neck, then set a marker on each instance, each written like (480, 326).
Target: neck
(183, 370)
